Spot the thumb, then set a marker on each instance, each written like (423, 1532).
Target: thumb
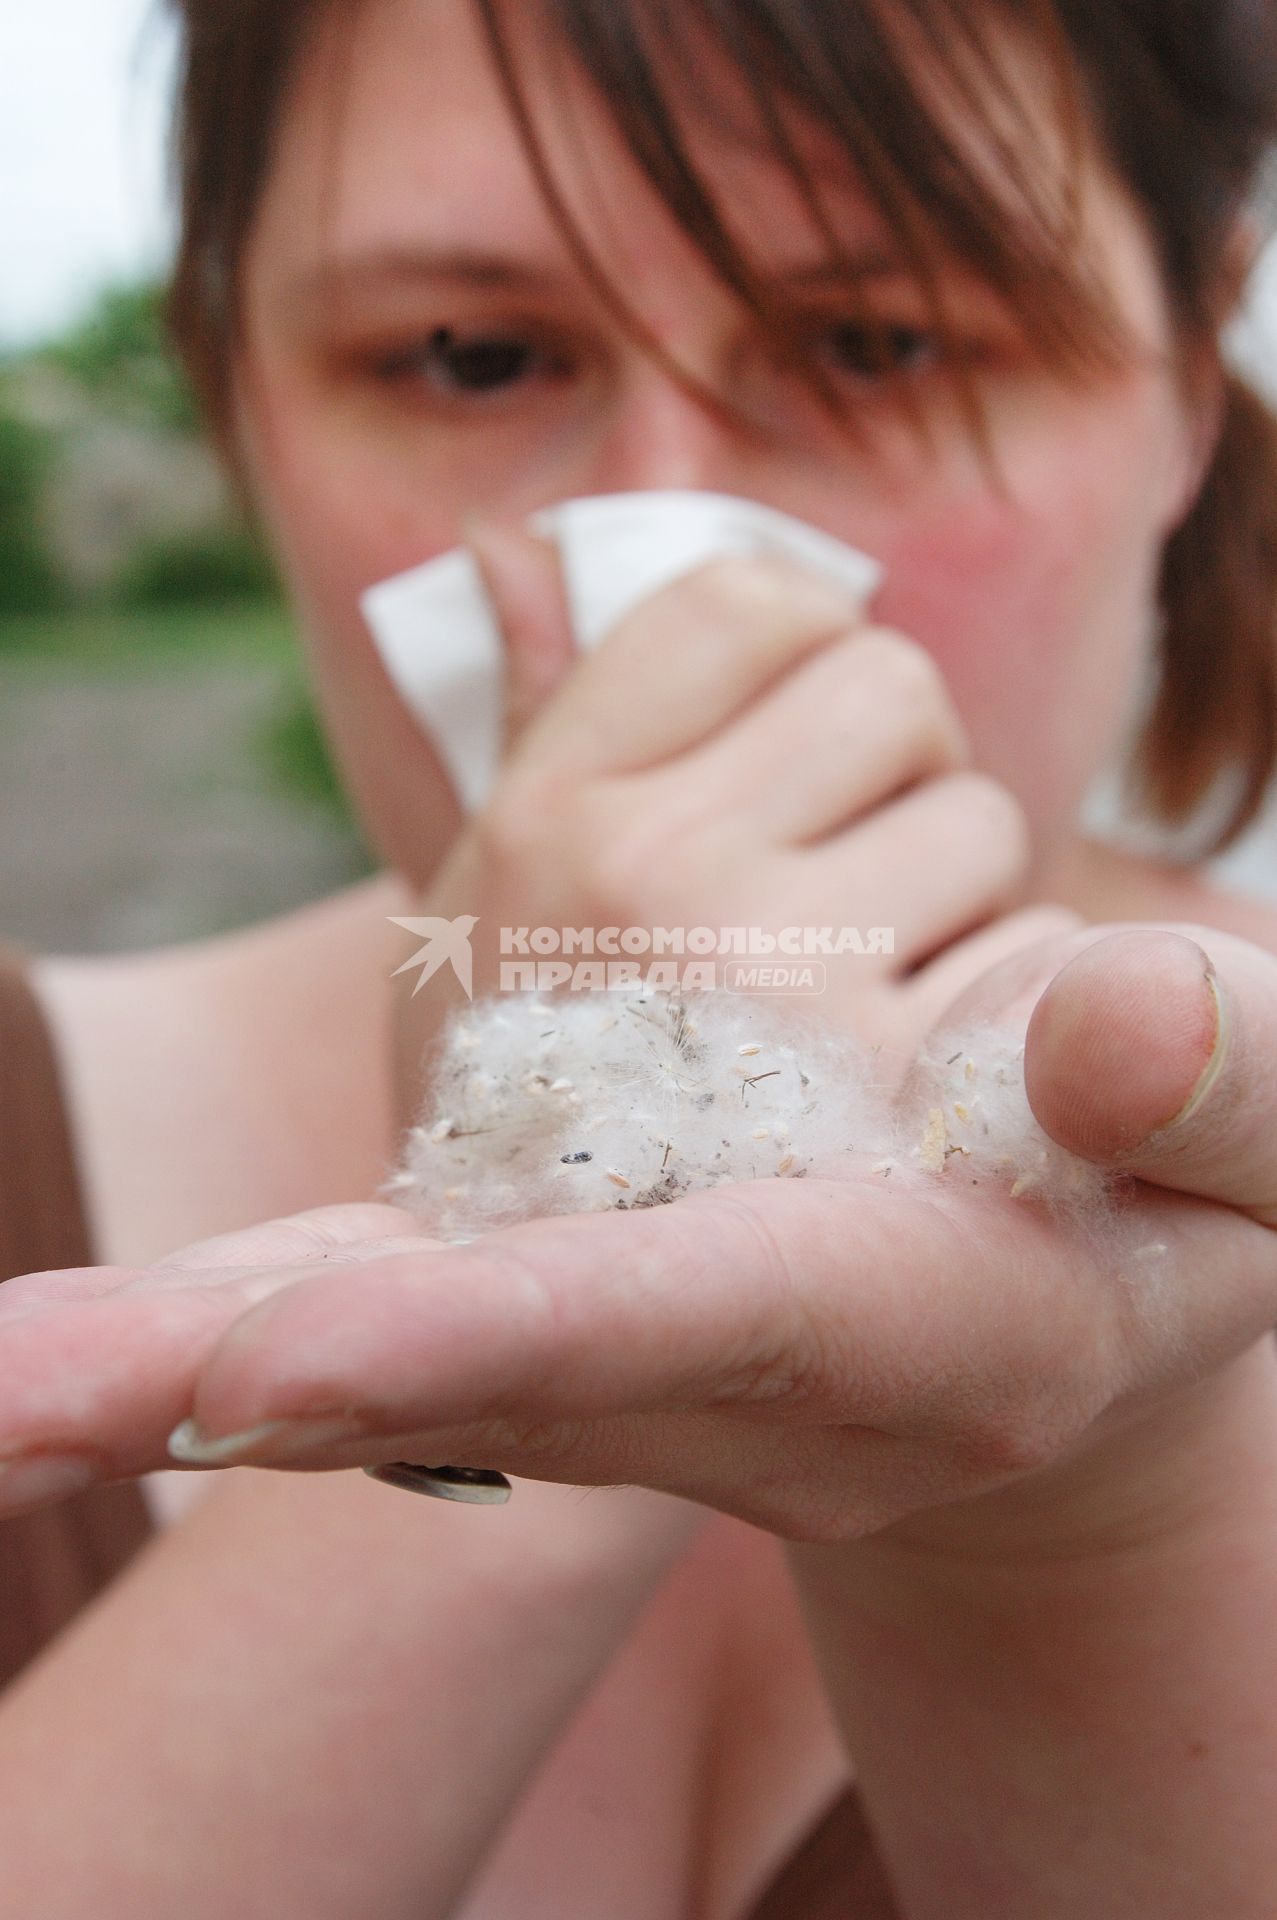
(524, 580)
(1152, 1051)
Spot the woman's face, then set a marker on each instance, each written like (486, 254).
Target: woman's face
(401, 208)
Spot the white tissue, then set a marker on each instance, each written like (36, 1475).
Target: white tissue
(632, 1097)
(438, 635)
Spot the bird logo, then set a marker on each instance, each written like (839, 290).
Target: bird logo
(446, 940)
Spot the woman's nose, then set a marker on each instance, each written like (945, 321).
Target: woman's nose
(658, 434)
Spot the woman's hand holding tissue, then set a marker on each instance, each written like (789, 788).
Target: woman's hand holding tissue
(743, 750)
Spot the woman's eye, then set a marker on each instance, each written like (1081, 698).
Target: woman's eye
(879, 353)
(477, 363)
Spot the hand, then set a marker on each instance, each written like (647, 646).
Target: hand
(744, 749)
(106, 1358)
(820, 1358)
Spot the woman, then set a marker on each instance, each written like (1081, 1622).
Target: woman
(975, 332)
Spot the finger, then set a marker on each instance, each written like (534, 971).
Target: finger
(680, 664)
(836, 1315)
(302, 1236)
(1152, 1049)
(103, 1378)
(845, 729)
(931, 865)
(99, 1362)
(775, 1300)
(524, 581)
(297, 1239)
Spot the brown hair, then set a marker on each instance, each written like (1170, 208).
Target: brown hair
(1181, 96)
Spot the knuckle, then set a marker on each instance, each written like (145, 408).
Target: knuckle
(504, 833)
(776, 1377)
(729, 576)
(824, 1524)
(745, 585)
(906, 665)
(542, 1443)
(942, 738)
(714, 593)
(617, 859)
(908, 679)
(785, 1357)
(520, 816)
(638, 850)
(992, 809)
(1013, 1441)
(944, 733)
(821, 1505)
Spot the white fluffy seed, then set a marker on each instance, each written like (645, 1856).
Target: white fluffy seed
(672, 1090)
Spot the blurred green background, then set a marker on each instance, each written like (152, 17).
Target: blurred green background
(162, 774)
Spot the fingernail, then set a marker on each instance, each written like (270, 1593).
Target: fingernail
(1219, 1053)
(32, 1480)
(478, 1486)
(271, 1441)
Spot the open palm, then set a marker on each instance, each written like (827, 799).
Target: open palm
(820, 1358)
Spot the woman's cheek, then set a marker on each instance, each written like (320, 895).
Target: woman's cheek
(337, 527)
(986, 593)
(1032, 608)
(343, 515)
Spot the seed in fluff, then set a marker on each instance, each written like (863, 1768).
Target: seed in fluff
(934, 1141)
(495, 1139)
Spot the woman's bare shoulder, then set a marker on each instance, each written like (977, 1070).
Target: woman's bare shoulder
(202, 1078)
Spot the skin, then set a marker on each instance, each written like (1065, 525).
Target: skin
(983, 1437)
(1043, 1453)
(947, 812)
(1034, 605)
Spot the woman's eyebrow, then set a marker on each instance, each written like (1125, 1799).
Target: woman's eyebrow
(347, 277)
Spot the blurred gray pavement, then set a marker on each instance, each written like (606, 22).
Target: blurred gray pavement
(134, 809)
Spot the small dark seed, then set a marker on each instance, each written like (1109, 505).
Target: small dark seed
(576, 1159)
